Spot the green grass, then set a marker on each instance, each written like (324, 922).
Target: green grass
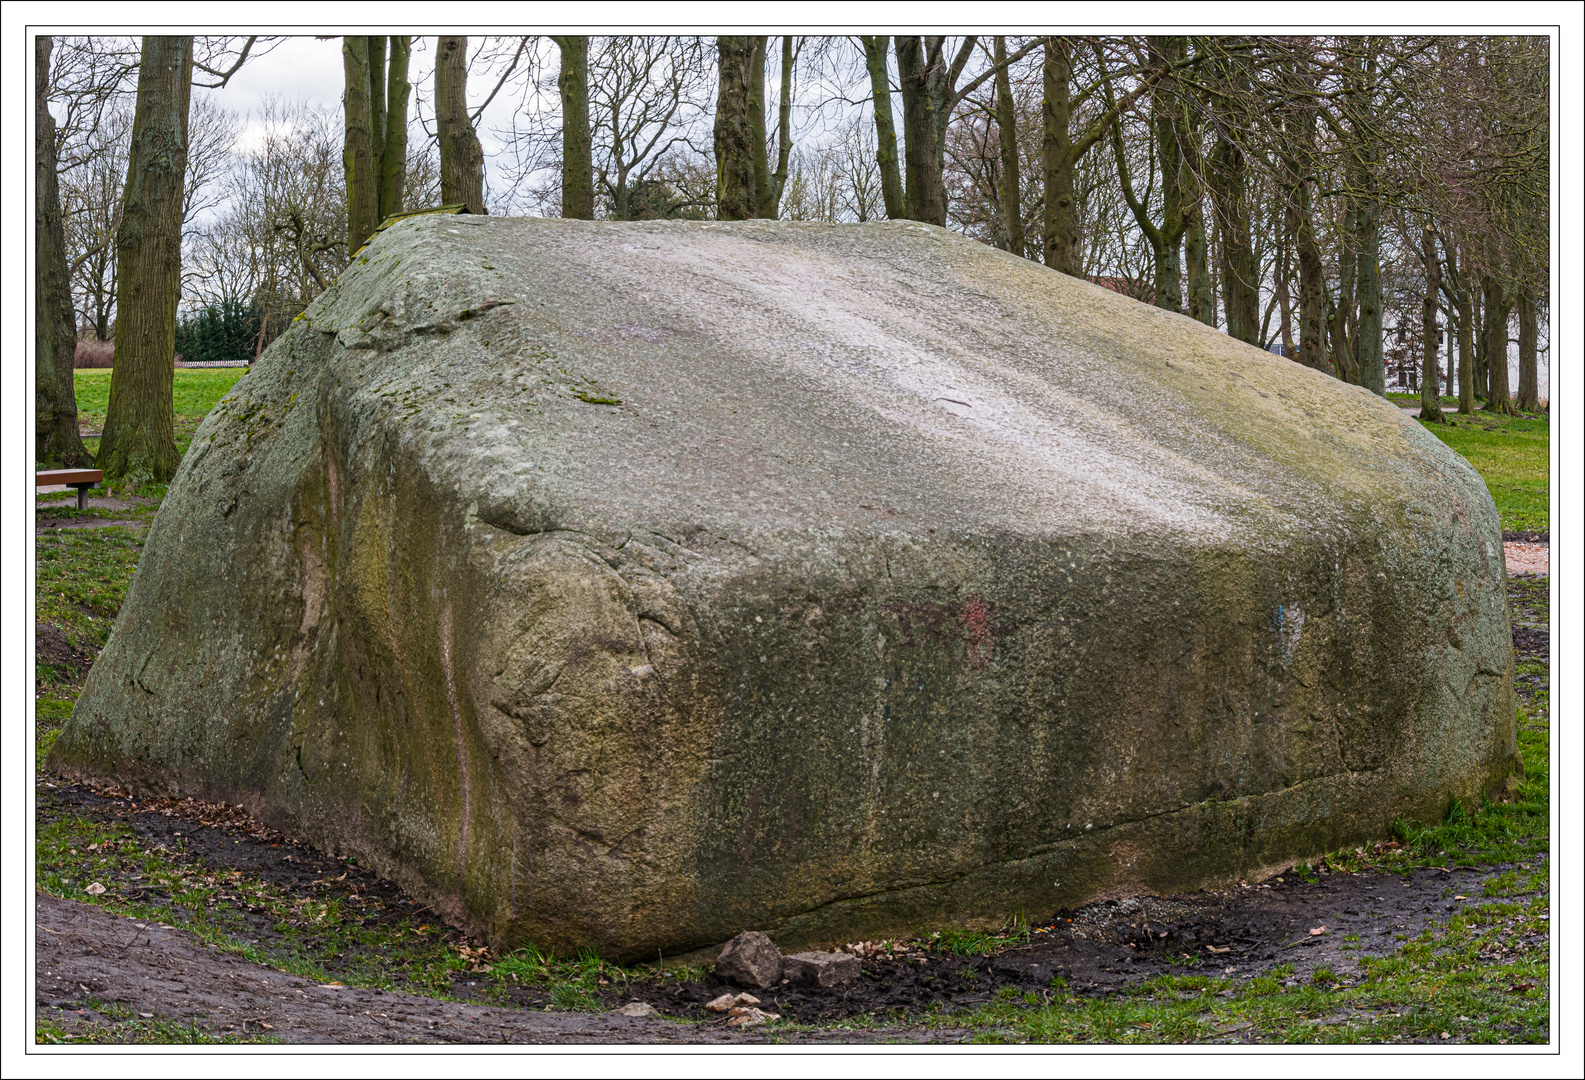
(114, 1024)
(195, 391)
(1414, 399)
(1513, 456)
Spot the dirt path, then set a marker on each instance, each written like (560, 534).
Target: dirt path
(90, 959)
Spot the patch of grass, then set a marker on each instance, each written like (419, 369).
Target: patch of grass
(102, 1024)
(962, 942)
(1512, 455)
(1414, 399)
(194, 392)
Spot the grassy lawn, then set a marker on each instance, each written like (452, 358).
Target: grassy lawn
(195, 392)
(1480, 976)
(1513, 456)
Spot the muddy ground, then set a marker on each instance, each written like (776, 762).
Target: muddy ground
(90, 958)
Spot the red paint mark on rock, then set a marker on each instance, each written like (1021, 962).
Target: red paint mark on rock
(977, 624)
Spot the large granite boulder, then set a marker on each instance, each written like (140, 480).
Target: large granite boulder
(626, 585)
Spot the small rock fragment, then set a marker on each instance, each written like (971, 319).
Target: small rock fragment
(750, 959)
(820, 968)
(722, 1003)
(751, 1018)
(637, 1008)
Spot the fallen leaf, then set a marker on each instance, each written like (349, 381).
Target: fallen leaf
(1519, 988)
(95, 889)
(1318, 931)
(1223, 949)
(1461, 898)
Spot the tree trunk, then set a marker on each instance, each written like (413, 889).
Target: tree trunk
(139, 439)
(1478, 312)
(1312, 294)
(926, 194)
(1529, 391)
(1202, 297)
(1240, 289)
(57, 441)
(393, 153)
(771, 208)
(1369, 355)
(1338, 319)
(735, 152)
(1430, 378)
(885, 132)
(461, 156)
(1060, 241)
(1165, 106)
(1007, 132)
(358, 160)
(756, 124)
(1285, 299)
(577, 154)
(1497, 310)
(1466, 335)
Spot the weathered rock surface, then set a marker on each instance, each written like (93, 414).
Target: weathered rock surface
(750, 959)
(820, 968)
(621, 585)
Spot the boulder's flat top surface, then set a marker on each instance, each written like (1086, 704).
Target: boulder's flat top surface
(882, 377)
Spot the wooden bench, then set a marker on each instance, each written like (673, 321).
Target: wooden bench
(81, 479)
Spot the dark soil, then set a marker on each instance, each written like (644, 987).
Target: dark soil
(1104, 948)
(1528, 537)
(52, 646)
(46, 522)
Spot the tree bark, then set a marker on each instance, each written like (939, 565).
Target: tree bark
(771, 207)
(393, 153)
(1228, 178)
(358, 159)
(1202, 297)
(461, 156)
(1466, 335)
(56, 438)
(1498, 306)
(1007, 130)
(1430, 378)
(1240, 289)
(916, 59)
(756, 123)
(1060, 221)
(577, 153)
(734, 130)
(1339, 318)
(885, 131)
(139, 438)
(1529, 390)
(1369, 354)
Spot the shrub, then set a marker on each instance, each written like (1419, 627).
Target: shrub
(94, 354)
